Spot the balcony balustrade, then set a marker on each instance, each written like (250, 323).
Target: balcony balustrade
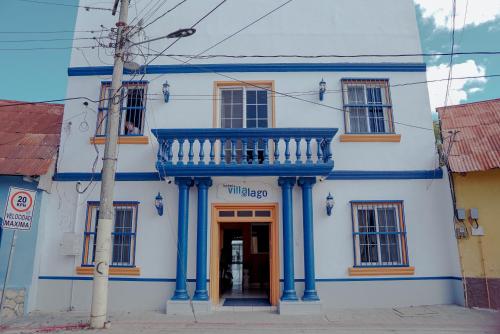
(245, 152)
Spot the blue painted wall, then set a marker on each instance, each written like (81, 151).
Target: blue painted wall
(24, 254)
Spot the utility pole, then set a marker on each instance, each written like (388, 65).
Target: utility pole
(98, 313)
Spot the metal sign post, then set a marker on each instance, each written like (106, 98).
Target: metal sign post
(9, 265)
(18, 215)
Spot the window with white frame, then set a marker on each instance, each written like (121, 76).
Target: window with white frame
(367, 106)
(244, 107)
(132, 99)
(123, 234)
(379, 234)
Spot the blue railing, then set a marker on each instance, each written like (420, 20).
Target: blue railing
(245, 152)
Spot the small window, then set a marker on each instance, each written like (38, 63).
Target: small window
(379, 234)
(132, 108)
(367, 106)
(123, 235)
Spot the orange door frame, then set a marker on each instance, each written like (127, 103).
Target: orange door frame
(215, 230)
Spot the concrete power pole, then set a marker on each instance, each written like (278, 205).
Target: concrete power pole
(98, 313)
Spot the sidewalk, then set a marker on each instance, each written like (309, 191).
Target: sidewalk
(426, 319)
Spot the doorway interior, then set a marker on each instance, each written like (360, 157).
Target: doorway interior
(244, 255)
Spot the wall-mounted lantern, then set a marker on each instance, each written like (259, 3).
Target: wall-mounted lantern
(159, 204)
(329, 204)
(166, 91)
(322, 89)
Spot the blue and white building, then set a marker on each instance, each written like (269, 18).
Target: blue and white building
(272, 185)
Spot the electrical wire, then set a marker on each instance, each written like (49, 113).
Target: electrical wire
(162, 15)
(46, 40)
(50, 32)
(63, 4)
(245, 27)
(396, 55)
(450, 73)
(287, 95)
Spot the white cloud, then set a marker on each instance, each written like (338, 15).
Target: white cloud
(478, 12)
(475, 90)
(459, 89)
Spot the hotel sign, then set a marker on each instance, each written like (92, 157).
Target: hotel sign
(250, 191)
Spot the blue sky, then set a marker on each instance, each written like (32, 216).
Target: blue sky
(37, 75)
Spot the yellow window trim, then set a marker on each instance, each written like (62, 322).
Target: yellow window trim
(370, 138)
(355, 271)
(269, 84)
(135, 271)
(122, 140)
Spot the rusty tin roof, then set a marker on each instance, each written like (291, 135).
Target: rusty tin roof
(29, 137)
(476, 147)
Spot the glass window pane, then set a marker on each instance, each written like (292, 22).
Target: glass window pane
(355, 95)
(251, 123)
(237, 123)
(262, 123)
(251, 97)
(262, 111)
(376, 117)
(357, 120)
(374, 95)
(262, 97)
(237, 111)
(251, 111)
(237, 96)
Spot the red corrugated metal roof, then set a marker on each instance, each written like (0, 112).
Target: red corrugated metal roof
(29, 137)
(476, 147)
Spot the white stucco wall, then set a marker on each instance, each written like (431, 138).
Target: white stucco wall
(303, 27)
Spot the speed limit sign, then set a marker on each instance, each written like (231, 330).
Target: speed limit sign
(19, 209)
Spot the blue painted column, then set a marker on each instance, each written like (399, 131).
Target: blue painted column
(306, 183)
(203, 183)
(286, 184)
(184, 183)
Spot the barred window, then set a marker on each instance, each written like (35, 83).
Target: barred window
(379, 234)
(123, 234)
(132, 108)
(367, 106)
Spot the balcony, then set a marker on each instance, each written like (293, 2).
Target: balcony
(245, 152)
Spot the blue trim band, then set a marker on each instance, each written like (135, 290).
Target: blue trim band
(172, 280)
(334, 175)
(264, 67)
(386, 175)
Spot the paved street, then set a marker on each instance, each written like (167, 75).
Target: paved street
(430, 319)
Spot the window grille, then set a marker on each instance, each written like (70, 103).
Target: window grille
(132, 99)
(123, 235)
(379, 234)
(244, 107)
(367, 106)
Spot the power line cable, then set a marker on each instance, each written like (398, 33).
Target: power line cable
(51, 32)
(289, 93)
(63, 4)
(450, 73)
(163, 15)
(396, 55)
(245, 27)
(46, 40)
(285, 94)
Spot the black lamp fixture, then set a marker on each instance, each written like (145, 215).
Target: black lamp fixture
(322, 89)
(166, 91)
(159, 204)
(329, 204)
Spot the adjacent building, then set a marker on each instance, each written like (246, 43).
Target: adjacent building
(299, 182)
(29, 142)
(471, 138)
